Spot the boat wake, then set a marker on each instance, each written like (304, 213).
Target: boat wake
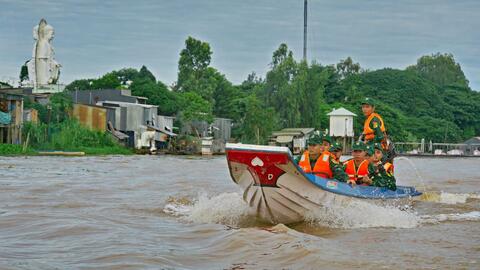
(449, 198)
(363, 214)
(230, 209)
(469, 216)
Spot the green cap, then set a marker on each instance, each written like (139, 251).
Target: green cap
(368, 101)
(377, 146)
(370, 150)
(336, 147)
(326, 137)
(315, 139)
(359, 146)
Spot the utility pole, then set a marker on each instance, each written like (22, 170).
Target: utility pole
(305, 30)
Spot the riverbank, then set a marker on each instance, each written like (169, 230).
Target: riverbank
(19, 150)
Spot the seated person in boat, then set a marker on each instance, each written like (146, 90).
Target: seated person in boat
(336, 166)
(324, 164)
(326, 142)
(382, 170)
(356, 168)
(336, 150)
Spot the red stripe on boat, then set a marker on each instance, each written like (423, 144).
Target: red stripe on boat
(261, 165)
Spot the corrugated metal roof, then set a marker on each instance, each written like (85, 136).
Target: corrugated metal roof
(163, 131)
(128, 104)
(293, 132)
(284, 139)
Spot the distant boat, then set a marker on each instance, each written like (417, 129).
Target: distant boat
(280, 192)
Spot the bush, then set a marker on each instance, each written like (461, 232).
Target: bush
(71, 136)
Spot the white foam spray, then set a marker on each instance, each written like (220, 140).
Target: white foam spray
(230, 209)
(362, 214)
(225, 208)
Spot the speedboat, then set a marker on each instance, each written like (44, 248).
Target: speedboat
(278, 190)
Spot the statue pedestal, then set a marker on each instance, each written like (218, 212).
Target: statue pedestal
(48, 88)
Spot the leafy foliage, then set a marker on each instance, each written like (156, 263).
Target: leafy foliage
(440, 69)
(194, 107)
(430, 99)
(71, 136)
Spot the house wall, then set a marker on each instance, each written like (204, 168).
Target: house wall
(164, 121)
(337, 126)
(90, 116)
(12, 133)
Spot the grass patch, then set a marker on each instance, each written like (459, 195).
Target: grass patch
(14, 150)
(71, 136)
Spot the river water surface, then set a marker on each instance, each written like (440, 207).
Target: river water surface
(165, 212)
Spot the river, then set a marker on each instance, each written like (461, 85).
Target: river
(167, 212)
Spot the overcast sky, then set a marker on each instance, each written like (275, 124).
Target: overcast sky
(95, 37)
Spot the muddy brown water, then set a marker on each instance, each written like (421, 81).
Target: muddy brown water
(166, 212)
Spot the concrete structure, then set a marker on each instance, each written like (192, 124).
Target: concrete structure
(293, 138)
(136, 119)
(472, 146)
(207, 144)
(341, 123)
(94, 96)
(11, 118)
(220, 131)
(43, 70)
(127, 117)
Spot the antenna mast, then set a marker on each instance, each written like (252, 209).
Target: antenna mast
(305, 30)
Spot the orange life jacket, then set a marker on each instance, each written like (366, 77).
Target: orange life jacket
(334, 157)
(354, 173)
(388, 167)
(369, 132)
(321, 168)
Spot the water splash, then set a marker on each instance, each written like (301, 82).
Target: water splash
(225, 208)
(230, 209)
(419, 176)
(362, 214)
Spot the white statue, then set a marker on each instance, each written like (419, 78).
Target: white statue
(42, 68)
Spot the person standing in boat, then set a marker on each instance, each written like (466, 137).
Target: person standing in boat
(318, 155)
(374, 130)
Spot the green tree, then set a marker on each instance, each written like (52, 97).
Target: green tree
(256, 122)
(347, 67)
(157, 94)
(145, 73)
(441, 69)
(193, 69)
(194, 107)
(83, 84)
(24, 73)
(279, 92)
(107, 81)
(125, 75)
